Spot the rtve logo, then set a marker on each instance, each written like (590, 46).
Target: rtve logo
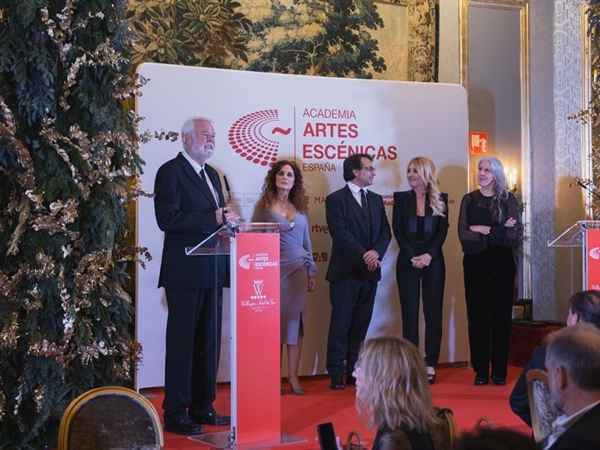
(251, 142)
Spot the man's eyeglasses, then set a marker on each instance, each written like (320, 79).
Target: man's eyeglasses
(371, 169)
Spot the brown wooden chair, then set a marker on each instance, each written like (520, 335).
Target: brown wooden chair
(110, 417)
(543, 413)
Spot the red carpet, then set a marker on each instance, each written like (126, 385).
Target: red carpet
(300, 415)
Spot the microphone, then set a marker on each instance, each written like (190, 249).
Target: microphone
(227, 188)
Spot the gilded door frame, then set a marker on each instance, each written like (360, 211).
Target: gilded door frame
(525, 183)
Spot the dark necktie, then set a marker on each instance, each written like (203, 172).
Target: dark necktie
(204, 182)
(365, 209)
(363, 201)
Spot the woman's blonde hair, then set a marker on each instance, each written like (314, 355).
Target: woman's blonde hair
(393, 389)
(426, 169)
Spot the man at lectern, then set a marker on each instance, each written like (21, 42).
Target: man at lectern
(189, 206)
(361, 234)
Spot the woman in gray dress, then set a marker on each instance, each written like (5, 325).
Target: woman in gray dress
(283, 200)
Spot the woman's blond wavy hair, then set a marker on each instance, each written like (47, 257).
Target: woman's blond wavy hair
(426, 169)
(393, 389)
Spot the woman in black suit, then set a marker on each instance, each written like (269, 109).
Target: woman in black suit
(488, 230)
(420, 224)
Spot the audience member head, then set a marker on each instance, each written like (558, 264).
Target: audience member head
(425, 168)
(584, 307)
(495, 439)
(392, 387)
(297, 194)
(352, 163)
(573, 363)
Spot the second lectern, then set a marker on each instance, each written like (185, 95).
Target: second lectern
(584, 234)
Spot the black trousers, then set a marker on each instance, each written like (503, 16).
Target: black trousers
(429, 282)
(193, 347)
(351, 310)
(489, 286)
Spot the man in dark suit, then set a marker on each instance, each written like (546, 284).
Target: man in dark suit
(583, 307)
(189, 206)
(573, 362)
(361, 234)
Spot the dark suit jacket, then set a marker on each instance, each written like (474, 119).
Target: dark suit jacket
(404, 224)
(352, 237)
(584, 434)
(185, 211)
(519, 400)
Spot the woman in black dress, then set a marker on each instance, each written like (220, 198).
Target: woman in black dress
(488, 230)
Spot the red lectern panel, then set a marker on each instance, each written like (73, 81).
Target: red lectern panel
(256, 396)
(593, 259)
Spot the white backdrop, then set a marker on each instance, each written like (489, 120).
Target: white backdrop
(318, 121)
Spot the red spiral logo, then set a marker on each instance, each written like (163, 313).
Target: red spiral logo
(247, 139)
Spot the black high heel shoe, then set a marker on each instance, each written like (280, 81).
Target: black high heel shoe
(430, 375)
(296, 390)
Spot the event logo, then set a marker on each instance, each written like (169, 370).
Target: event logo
(245, 261)
(249, 137)
(258, 261)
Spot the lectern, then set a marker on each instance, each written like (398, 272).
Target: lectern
(584, 234)
(255, 340)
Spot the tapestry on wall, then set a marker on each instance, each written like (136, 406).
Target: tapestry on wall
(390, 40)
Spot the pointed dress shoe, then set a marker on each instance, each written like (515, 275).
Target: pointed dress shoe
(298, 390)
(337, 383)
(183, 426)
(210, 418)
(480, 380)
(499, 380)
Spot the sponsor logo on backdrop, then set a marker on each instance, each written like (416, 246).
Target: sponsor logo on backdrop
(320, 256)
(316, 228)
(595, 253)
(322, 137)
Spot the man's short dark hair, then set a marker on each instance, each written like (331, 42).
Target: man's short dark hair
(354, 162)
(586, 305)
(496, 439)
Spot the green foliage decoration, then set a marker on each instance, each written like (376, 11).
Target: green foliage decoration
(68, 172)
